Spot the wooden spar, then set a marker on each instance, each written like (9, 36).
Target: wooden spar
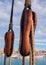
(23, 61)
(4, 59)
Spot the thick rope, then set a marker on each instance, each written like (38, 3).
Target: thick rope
(11, 17)
(27, 3)
(4, 59)
(23, 61)
(33, 57)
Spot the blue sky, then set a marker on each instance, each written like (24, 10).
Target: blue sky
(39, 6)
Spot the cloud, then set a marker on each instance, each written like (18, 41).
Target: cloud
(1, 38)
(40, 44)
(40, 40)
(4, 16)
(38, 7)
(40, 32)
(16, 27)
(18, 7)
(4, 11)
(3, 24)
(17, 40)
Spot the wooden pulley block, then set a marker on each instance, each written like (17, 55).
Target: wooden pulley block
(25, 27)
(9, 41)
(9, 36)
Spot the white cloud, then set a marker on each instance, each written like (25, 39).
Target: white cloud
(1, 38)
(3, 24)
(40, 40)
(4, 15)
(40, 44)
(16, 27)
(17, 40)
(4, 11)
(18, 7)
(38, 7)
(40, 32)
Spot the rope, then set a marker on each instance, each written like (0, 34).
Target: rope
(12, 11)
(4, 59)
(23, 61)
(11, 17)
(27, 2)
(33, 59)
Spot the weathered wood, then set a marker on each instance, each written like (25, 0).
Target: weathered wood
(26, 22)
(9, 41)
